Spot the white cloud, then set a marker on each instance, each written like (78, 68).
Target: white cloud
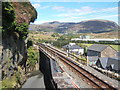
(78, 14)
(108, 16)
(36, 5)
(77, 11)
(87, 9)
(67, 12)
(110, 9)
(63, 15)
(58, 8)
(44, 7)
(39, 6)
(76, 17)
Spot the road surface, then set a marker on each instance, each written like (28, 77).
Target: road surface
(36, 81)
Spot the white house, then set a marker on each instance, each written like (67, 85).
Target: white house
(72, 47)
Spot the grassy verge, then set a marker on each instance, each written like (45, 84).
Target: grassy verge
(14, 81)
(84, 44)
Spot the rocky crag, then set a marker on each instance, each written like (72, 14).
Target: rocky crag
(16, 17)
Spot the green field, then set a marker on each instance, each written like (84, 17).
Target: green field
(48, 36)
(116, 47)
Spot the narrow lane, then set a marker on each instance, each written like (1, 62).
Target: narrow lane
(36, 81)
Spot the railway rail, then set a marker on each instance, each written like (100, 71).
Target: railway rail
(91, 79)
(70, 55)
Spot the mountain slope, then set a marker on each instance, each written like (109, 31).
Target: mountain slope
(90, 26)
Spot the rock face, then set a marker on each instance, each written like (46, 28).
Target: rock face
(25, 12)
(90, 26)
(14, 48)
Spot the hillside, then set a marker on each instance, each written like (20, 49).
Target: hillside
(90, 26)
(16, 17)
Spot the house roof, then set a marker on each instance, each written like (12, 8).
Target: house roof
(93, 58)
(66, 46)
(104, 61)
(97, 47)
(72, 47)
(107, 62)
(118, 54)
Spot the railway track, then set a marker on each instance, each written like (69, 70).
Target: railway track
(81, 61)
(91, 79)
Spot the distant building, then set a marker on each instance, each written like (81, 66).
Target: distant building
(84, 37)
(73, 48)
(108, 63)
(96, 40)
(98, 50)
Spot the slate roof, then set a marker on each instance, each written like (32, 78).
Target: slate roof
(66, 46)
(104, 61)
(72, 47)
(107, 62)
(118, 54)
(97, 47)
(93, 58)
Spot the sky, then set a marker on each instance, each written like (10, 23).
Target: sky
(75, 11)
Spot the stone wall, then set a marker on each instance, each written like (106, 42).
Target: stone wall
(45, 68)
(109, 52)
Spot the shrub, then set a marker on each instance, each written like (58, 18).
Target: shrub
(8, 15)
(29, 43)
(32, 57)
(22, 29)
